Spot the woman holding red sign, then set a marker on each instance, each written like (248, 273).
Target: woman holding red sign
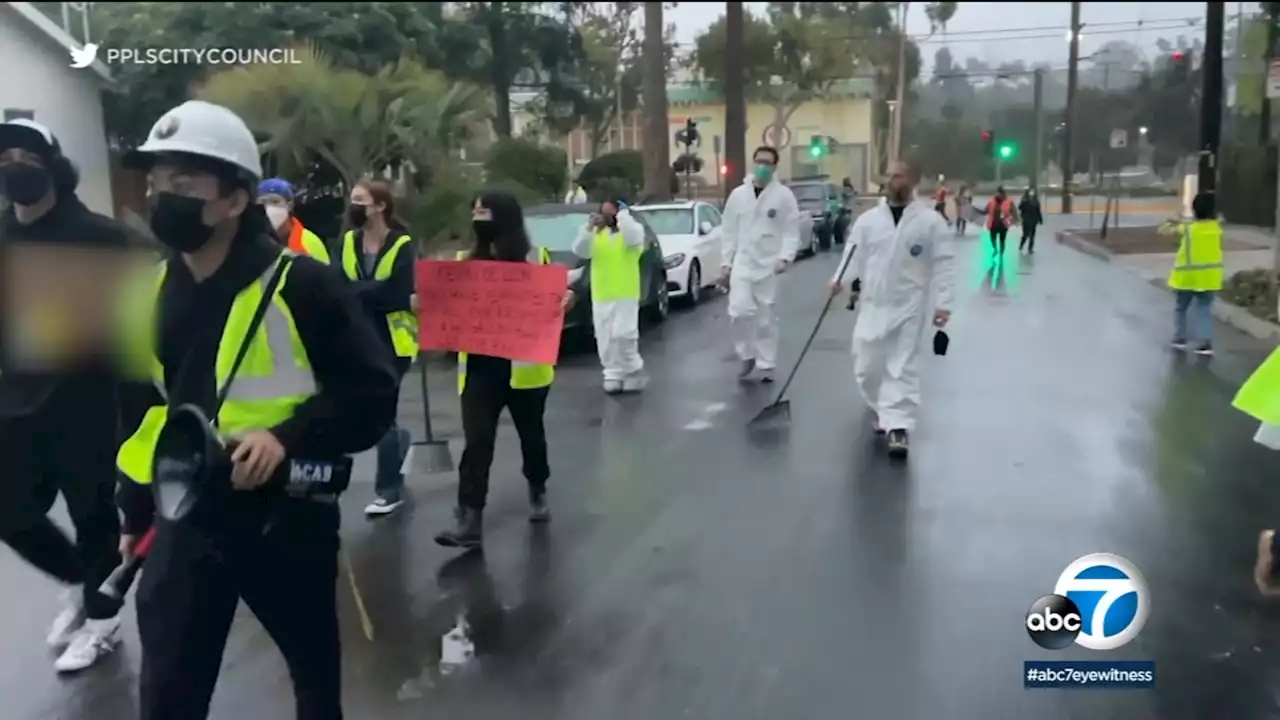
(488, 384)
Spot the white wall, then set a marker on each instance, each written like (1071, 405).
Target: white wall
(37, 76)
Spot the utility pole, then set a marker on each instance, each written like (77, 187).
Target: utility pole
(735, 102)
(1211, 97)
(657, 155)
(902, 81)
(1269, 54)
(1037, 159)
(1073, 77)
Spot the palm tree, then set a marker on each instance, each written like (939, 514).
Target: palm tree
(355, 122)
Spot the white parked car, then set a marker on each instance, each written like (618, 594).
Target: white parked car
(689, 233)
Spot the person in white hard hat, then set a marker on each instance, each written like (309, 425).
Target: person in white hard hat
(312, 384)
(58, 425)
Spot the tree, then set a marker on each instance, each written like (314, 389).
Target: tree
(356, 123)
(362, 36)
(518, 45)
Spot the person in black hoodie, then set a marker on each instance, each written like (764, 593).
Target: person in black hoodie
(1029, 211)
(316, 384)
(377, 256)
(59, 426)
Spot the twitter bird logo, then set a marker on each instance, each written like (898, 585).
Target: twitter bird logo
(85, 56)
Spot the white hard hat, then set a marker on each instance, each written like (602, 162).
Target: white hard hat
(200, 128)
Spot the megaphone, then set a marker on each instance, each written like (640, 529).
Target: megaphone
(192, 462)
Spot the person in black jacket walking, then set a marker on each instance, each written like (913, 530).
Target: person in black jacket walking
(1029, 211)
(59, 425)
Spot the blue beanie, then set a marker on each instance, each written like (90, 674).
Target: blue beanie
(276, 186)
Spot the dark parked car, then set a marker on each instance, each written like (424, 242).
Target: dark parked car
(555, 227)
(827, 205)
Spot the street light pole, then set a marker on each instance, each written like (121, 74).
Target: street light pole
(1037, 160)
(1211, 98)
(902, 81)
(1073, 70)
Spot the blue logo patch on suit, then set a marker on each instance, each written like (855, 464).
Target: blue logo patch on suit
(916, 250)
(772, 213)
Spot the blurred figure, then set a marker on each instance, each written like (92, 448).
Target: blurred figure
(576, 195)
(488, 384)
(614, 241)
(59, 427)
(905, 267)
(761, 236)
(1197, 275)
(378, 258)
(1029, 212)
(276, 197)
(940, 197)
(1000, 217)
(964, 206)
(848, 192)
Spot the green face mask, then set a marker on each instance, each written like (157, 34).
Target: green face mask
(763, 173)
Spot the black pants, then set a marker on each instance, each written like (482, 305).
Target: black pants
(998, 237)
(51, 453)
(483, 399)
(282, 559)
(1028, 237)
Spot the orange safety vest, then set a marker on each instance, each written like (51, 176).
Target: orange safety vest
(295, 236)
(1006, 212)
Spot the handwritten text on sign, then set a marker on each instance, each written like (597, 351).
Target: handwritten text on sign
(503, 309)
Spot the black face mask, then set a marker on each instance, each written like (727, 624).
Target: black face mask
(485, 230)
(178, 222)
(24, 184)
(357, 215)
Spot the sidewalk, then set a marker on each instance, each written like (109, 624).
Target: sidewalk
(1245, 248)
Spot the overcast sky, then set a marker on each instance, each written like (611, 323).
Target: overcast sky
(1035, 31)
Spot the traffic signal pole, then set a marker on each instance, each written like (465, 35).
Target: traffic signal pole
(1211, 97)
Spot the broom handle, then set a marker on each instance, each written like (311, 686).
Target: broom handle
(816, 326)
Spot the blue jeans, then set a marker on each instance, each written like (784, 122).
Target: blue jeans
(1199, 303)
(393, 446)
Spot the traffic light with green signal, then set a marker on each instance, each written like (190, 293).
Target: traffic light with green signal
(817, 146)
(1006, 150)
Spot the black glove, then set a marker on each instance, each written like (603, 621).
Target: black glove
(940, 342)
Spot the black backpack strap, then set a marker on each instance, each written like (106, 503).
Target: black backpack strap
(269, 292)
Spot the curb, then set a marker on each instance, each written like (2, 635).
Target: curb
(1235, 316)
(1075, 242)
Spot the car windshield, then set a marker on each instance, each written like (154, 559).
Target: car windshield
(668, 221)
(556, 232)
(809, 192)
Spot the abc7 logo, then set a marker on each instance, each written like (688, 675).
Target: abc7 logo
(1117, 603)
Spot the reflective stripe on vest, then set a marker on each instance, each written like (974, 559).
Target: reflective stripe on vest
(401, 324)
(524, 375)
(615, 268)
(274, 378)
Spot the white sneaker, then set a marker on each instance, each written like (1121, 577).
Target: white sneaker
(95, 640)
(383, 506)
(612, 387)
(635, 383)
(70, 620)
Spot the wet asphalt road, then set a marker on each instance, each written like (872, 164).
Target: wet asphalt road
(695, 571)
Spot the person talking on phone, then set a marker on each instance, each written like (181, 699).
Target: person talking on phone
(311, 380)
(614, 242)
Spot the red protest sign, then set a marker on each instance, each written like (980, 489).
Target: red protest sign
(504, 309)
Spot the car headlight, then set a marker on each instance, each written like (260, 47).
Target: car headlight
(575, 275)
(673, 261)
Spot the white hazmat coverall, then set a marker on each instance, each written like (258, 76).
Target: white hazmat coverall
(758, 233)
(616, 321)
(907, 272)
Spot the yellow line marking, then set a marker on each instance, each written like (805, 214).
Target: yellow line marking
(365, 621)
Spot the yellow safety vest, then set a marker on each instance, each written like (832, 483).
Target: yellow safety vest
(615, 268)
(403, 324)
(524, 375)
(1198, 265)
(1259, 397)
(273, 380)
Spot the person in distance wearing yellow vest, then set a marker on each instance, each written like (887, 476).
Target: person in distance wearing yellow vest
(488, 384)
(614, 241)
(314, 383)
(1197, 275)
(276, 197)
(377, 255)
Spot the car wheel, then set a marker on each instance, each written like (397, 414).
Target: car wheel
(824, 239)
(661, 307)
(813, 243)
(694, 291)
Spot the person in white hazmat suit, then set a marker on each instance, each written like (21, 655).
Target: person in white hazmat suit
(905, 266)
(614, 242)
(760, 238)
